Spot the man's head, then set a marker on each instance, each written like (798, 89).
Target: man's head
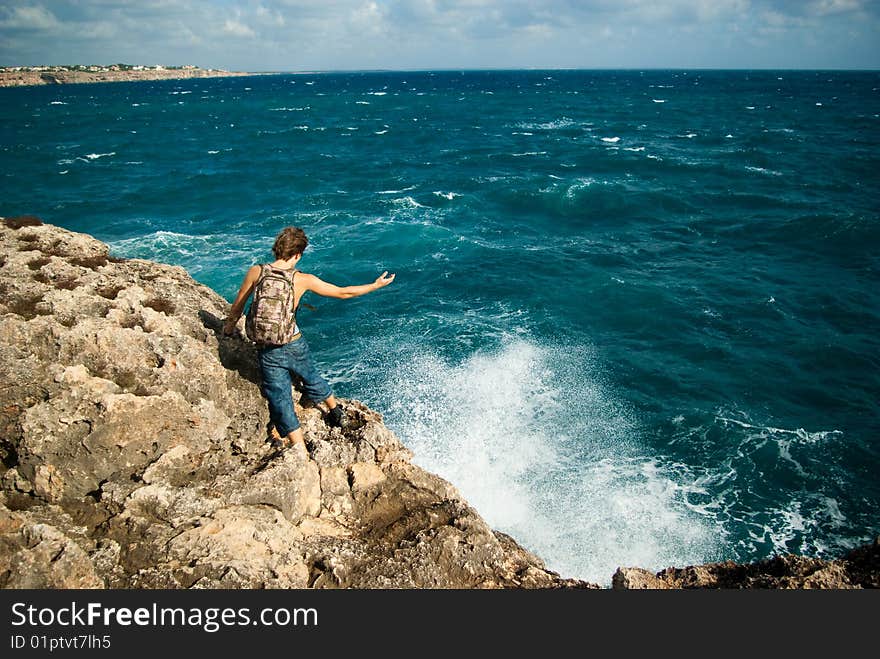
(290, 242)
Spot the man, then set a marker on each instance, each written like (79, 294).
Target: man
(279, 362)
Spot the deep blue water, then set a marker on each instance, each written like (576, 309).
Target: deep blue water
(635, 319)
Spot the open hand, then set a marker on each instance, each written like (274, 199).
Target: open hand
(384, 279)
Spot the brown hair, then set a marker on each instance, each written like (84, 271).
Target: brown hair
(291, 241)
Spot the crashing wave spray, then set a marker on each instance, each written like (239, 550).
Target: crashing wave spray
(544, 453)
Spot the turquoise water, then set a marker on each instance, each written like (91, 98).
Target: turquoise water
(635, 319)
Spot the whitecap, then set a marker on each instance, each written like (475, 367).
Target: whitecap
(57, 103)
(378, 93)
(408, 201)
(351, 128)
(659, 100)
(611, 140)
(64, 172)
(750, 107)
(762, 170)
(818, 105)
(412, 187)
(361, 102)
(95, 156)
(447, 195)
(728, 136)
(213, 152)
(653, 157)
(529, 153)
(563, 122)
(380, 132)
(633, 148)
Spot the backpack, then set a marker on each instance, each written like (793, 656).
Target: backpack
(271, 319)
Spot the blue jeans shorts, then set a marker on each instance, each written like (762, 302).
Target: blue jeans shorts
(281, 366)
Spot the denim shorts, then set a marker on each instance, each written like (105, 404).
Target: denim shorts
(281, 367)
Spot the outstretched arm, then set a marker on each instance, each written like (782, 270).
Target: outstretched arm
(326, 289)
(247, 286)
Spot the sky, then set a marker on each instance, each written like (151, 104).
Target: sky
(309, 35)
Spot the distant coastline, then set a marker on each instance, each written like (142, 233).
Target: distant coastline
(21, 76)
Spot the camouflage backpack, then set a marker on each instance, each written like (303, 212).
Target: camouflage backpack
(271, 319)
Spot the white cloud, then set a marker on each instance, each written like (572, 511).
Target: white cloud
(236, 28)
(34, 17)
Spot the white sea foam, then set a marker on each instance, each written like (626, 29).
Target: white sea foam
(95, 156)
(653, 157)
(534, 440)
(378, 93)
(412, 187)
(563, 122)
(611, 140)
(750, 107)
(361, 102)
(689, 136)
(633, 148)
(57, 103)
(762, 170)
(769, 431)
(447, 195)
(407, 201)
(285, 109)
(529, 153)
(380, 132)
(64, 172)
(212, 152)
(659, 100)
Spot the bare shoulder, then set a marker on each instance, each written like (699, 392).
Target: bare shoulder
(305, 279)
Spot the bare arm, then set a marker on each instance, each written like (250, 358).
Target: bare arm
(247, 286)
(326, 289)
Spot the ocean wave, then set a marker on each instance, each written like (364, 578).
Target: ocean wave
(762, 170)
(408, 202)
(447, 195)
(611, 140)
(544, 451)
(556, 124)
(411, 187)
(95, 156)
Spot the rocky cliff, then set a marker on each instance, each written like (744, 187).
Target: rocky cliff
(24, 78)
(134, 455)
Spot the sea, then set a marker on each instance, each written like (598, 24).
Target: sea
(636, 314)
